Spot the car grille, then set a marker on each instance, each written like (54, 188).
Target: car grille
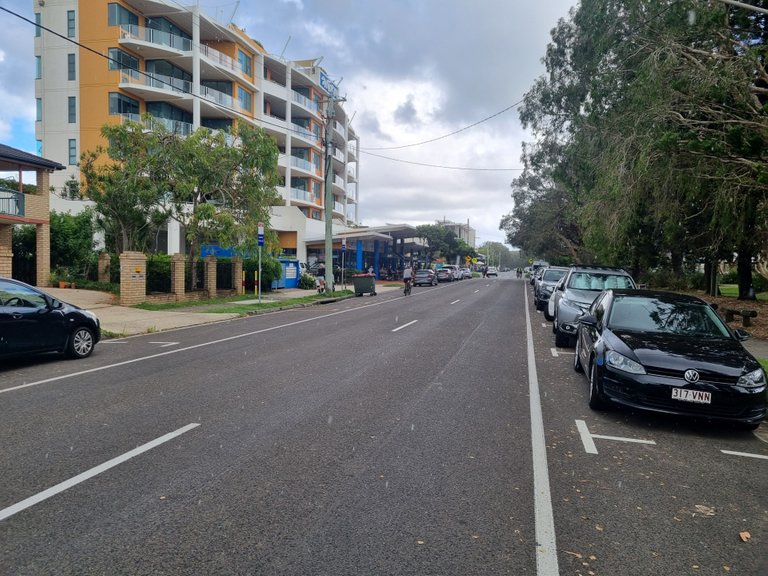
(706, 377)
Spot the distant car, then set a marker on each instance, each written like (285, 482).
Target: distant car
(453, 270)
(466, 273)
(425, 277)
(492, 271)
(545, 285)
(668, 353)
(34, 322)
(574, 297)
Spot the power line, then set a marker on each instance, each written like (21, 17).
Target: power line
(470, 169)
(449, 134)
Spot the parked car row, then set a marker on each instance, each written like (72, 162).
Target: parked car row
(651, 350)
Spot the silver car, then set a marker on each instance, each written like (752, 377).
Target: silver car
(545, 285)
(575, 293)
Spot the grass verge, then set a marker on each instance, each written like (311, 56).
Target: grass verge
(230, 305)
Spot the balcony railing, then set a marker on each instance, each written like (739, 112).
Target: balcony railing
(303, 195)
(304, 101)
(159, 81)
(156, 37)
(338, 207)
(339, 181)
(303, 132)
(11, 202)
(301, 163)
(221, 59)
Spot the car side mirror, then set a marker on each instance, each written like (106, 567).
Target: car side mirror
(742, 335)
(588, 320)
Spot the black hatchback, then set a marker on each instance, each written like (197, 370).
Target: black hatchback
(669, 353)
(33, 322)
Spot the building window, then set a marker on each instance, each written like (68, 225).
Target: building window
(316, 215)
(72, 109)
(246, 62)
(119, 16)
(71, 67)
(39, 106)
(244, 98)
(70, 23)
(119, 60)
(72, 151)
(119, 104)
(38, 67)
(38, 24)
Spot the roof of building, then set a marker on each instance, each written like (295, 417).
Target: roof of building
(12, 159)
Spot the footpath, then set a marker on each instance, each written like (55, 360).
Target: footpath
(128, 321)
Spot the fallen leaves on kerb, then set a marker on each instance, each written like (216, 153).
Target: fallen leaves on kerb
(745, 536)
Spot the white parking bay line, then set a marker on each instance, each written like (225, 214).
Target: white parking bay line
(456, 301)
(747, 454)
(476, 291)
(44, 495)
(546, 548)
(405, 325)
(166, 344)
(589, 444)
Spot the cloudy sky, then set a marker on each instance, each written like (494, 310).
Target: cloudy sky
(410, 70)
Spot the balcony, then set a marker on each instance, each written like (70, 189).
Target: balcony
(11, 203)
(146, 84)
(305, 102)
(297, 130)
(303, 195)
(302, 164)
(153, 43)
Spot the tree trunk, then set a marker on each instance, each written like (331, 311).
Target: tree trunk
(744, 271)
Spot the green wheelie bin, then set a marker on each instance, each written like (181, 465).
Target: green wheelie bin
(364, 283)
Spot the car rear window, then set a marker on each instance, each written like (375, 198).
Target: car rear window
(553, 275)
(599, 281)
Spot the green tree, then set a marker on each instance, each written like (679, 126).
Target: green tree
(72, 242)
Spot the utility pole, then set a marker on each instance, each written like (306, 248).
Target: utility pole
(328, 196)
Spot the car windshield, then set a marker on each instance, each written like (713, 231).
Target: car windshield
(599, 281)
(553, 275)
(647, 314)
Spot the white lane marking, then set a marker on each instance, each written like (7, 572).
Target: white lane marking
(546, 556)
(405, 325)
(196, 346)
(589, 445)
(476, 291)
(544, 325)
(746, 454)
(456, 301)
(166, 344)
(102, 342)
(52, 491)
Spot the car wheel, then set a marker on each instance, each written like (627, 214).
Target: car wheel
(81, 343)
(576, 360)
(596, 401)
(546, 314)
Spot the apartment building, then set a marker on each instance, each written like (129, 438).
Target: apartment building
(109, 61)
(462, 231)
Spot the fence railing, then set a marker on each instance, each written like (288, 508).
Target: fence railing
(11, 202)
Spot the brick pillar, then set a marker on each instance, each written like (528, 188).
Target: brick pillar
(104, 264)
(237, 275)
(177, 276)
(210, 275)
(6, 250)
(133, 278)
(43, 260)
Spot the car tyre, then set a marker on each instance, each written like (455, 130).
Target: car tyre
(562, 340)
(596, 400)
(81, 343)
(576, 360)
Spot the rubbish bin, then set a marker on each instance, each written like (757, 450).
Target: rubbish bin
(364, 283)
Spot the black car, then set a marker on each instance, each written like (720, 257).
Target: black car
(33, 322)
(669, 353)
(425, 277)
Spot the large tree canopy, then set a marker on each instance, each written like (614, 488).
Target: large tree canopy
(218, 191)
(651, 137)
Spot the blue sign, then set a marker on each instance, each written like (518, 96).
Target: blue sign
(261, 239)
(328, 85)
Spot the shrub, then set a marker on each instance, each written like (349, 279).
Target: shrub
(307, 282)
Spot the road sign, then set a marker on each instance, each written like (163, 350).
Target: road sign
(343, 244)
(261, 233)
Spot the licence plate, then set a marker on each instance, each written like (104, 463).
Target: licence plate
(697, 396)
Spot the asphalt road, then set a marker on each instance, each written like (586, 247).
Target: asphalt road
(437, 434)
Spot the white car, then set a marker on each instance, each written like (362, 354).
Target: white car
(492, 271)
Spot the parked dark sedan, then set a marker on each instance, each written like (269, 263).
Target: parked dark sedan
(668, 353)
(33, 322)
(425, 277)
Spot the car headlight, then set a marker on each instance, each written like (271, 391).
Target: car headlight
(621, 362)
(754, 379)
(576, 305)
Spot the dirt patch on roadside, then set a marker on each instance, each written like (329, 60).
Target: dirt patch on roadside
(758, 326)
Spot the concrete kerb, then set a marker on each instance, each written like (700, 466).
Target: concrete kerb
(120, 321)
